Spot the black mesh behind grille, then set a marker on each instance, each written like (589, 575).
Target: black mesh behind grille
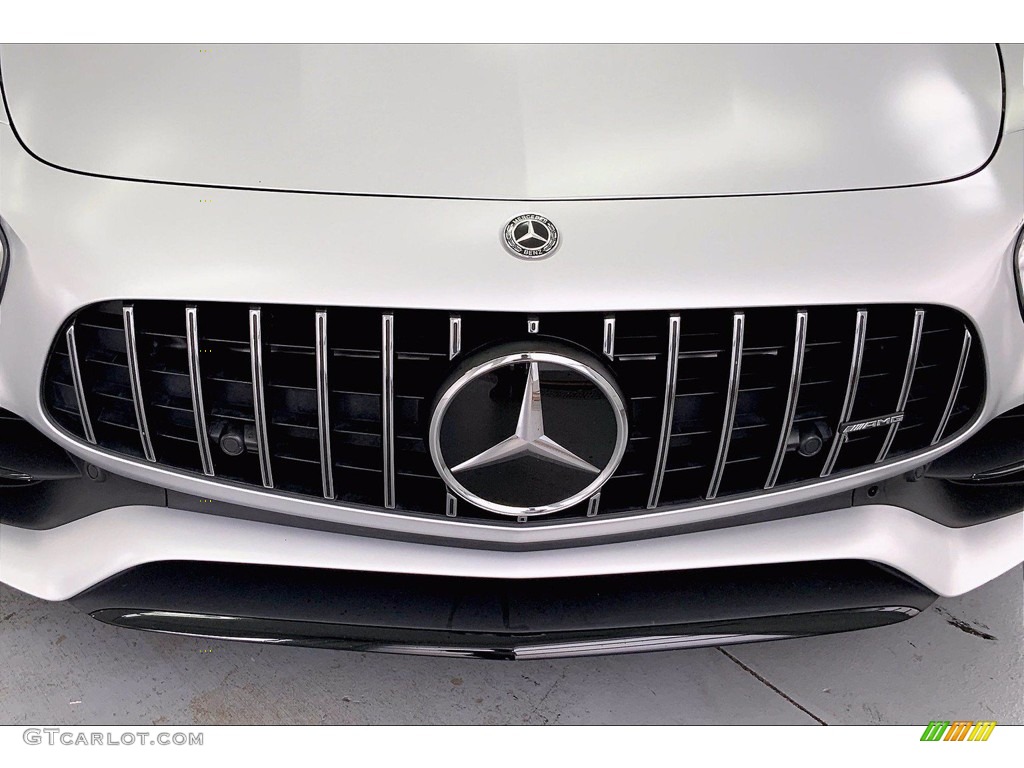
(421, 363)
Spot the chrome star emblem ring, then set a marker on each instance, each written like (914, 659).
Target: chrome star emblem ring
(528, 433)
(530, 236)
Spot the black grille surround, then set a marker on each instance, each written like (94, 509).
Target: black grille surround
(721, 403)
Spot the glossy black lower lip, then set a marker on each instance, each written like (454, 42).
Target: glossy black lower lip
(504, 618)
(497, 648)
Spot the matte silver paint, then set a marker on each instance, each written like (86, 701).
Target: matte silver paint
(81, 553)
(512, 122)
(97, 239)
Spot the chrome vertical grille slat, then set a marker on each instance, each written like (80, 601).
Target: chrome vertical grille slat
(258, 396)
(908, 380)
(668, 411)
(128, 313)
(608, 339)
(859, 335)
(387, 354)
(323, 406)
(196, 387)
(955, 389)
(799, 346)
(454, 336)
(732, 393)
(76, 376)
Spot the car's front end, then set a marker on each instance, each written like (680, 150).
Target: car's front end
(506, 351)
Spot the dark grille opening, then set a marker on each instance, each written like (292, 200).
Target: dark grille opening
(163, 367)
(700, 443)
(103, 362)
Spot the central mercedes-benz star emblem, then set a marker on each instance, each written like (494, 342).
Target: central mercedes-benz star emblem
(530, 236)
(524, 431)
(529, 437)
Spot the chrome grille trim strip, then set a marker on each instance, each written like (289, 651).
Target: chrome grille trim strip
(259, 405)
(387, 354)
(196, 385)
(668, 410)
(732, 395)
(908, 380)
(838, 439)
(454, 336)
(323, 409)
(76, 379)
(955, 390)
(795, 379)
(639, 644)
(128, 313)
(608, 344)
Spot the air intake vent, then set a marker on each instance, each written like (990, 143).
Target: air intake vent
(335, 403)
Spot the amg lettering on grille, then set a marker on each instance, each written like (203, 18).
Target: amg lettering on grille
(885, 421)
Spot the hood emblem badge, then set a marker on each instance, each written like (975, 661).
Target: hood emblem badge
(530, 236)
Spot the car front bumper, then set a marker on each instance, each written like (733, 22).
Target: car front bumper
(96, 239)
(59, 563)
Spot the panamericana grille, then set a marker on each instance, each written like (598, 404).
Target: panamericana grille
(335, 403)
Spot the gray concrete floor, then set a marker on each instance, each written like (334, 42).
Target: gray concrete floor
(961, 659)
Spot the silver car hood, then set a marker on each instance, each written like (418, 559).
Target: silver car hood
(511, 122)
